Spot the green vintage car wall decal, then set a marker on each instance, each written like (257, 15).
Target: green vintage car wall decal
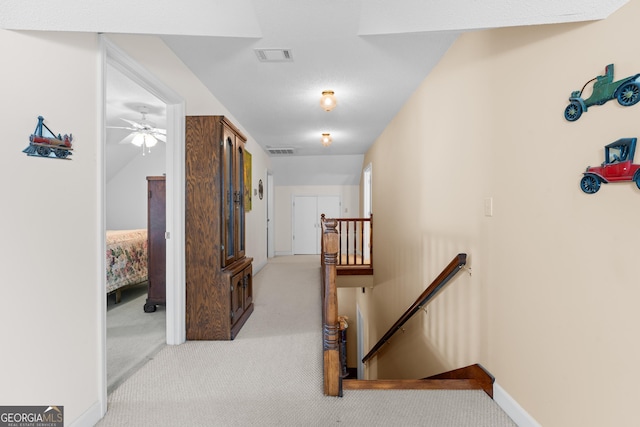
(626, 91)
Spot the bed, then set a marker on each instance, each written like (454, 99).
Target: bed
(126, 259)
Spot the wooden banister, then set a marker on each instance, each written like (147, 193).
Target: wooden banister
(473, 377)
(450, 270)
(476, 373)
(355, 247)
(330, 326)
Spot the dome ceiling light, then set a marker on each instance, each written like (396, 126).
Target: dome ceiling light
(326, 139)
(328, 101)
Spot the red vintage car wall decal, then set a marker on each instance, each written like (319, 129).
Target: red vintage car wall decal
(618, 166)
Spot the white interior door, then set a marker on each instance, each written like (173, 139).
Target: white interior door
(305, 226)
(329, 206)
(306, 221)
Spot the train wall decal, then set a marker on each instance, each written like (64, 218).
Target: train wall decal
(44, 143)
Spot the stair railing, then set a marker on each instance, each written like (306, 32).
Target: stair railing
(330, 325)
(355, 247)
(447, 274)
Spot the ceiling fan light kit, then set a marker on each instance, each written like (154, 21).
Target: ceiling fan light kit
(143, 133)
(144, 140)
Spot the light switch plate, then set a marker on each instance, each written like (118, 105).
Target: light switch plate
(488, 206)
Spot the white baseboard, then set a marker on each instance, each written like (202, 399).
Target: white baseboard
(284, 253)
(513, 408)
(258, 267)
(89, 418)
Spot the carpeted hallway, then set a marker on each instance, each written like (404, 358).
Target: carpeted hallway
(271, 374)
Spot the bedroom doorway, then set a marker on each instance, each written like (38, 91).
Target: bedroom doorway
(135, 332)
(114, 57)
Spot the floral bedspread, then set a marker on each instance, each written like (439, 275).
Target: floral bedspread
(126, 258)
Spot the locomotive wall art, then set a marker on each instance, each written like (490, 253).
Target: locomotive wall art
(44, 143)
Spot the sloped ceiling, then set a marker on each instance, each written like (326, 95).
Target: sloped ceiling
(372, 53)
(125, 100)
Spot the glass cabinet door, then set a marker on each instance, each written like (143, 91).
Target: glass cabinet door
(233, 224)
(229, 195)
(241, 197)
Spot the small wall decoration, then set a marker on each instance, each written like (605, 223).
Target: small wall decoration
(260, 189)
(626, 91)
(247, 181)
(44, 143)
(618, 166)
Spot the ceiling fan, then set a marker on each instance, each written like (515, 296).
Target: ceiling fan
(143, 132)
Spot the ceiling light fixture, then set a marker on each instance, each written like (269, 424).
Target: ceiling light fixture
(328, 100)
(143, 133)
(144, 140)
(326, 139)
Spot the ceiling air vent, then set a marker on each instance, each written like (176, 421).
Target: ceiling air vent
(280, 150)
(274, 55)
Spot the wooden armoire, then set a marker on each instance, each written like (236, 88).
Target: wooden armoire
(219, 279)
(156, 243)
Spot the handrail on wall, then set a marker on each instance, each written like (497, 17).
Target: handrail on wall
(450, 270)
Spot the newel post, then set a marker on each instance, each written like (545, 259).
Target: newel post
(331, 327)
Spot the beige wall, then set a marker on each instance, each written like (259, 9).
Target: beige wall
(550, 304)
(49, 311)
(51, 301)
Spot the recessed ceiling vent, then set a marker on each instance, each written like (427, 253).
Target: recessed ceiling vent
(274, 55)
(280, 150)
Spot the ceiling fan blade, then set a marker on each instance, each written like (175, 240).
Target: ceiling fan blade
(142, 127)
(127, 139)
(136, 125)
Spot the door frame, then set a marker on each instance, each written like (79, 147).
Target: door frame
(367, 191)
(367, 203)
(175, 158)
(270, 213)
(360, 342)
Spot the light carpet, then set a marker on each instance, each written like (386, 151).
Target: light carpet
(271, 374)
(133, 336)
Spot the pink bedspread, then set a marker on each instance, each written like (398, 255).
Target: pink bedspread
(126, 258)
